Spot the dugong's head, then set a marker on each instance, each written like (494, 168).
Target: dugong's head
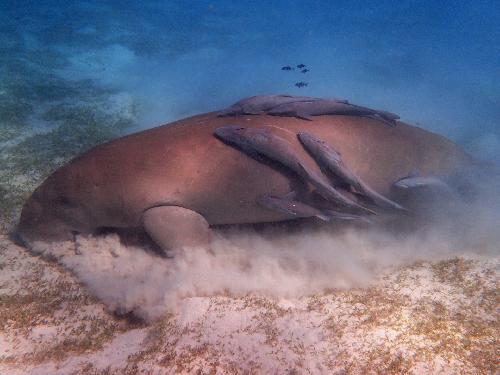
(49, 215)
(38, 223)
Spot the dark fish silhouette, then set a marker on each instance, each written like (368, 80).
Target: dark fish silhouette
(287, 67)
(304, 70)
(301, 84)
(300, 66)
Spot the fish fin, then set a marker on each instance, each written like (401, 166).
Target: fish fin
(304, 116)
(233, 110)
(341, 101)
(388, 115)
(414, 173)
(290, 207)
(376, 116)
(323, 217)
(336, 215)
(224, 113)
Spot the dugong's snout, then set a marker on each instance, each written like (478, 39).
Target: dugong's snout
(39, 222)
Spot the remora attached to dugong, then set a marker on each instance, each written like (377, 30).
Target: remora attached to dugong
(330, 159)
(177, 180)
(267, 143)
(259, 104)
(306, 109)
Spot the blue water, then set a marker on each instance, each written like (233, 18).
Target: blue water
(436, 63)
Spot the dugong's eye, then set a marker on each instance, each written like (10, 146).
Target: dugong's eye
(64, 201)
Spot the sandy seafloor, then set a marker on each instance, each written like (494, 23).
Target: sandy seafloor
(429, 317)
(74, 75)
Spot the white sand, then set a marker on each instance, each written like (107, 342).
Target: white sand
(429, 317)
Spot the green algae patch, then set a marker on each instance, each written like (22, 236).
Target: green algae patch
(30, 153)
(42, 304)
(47, 118)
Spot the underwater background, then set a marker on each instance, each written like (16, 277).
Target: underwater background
(76, 73)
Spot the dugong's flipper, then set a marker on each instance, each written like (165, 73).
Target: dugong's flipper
(327, 157)
(266, 143)
(173, 227)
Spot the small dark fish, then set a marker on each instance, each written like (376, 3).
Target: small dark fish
(300, 66)
(287, 67)
(304, 70)
(301, 84)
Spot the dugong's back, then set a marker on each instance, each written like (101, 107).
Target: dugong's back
(184, 165)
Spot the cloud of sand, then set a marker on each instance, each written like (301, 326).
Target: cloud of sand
(274, 263)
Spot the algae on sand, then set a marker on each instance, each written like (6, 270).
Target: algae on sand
(46, 118)
(30, 153)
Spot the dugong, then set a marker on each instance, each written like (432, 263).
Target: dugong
(178, 180)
